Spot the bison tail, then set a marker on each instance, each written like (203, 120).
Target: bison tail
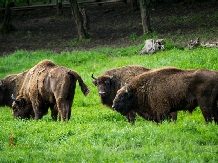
(83, 86)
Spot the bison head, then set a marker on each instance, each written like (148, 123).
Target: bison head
(123, 101)
(21, 108)
(106, 88)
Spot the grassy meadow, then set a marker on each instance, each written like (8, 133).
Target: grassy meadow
(97, 134)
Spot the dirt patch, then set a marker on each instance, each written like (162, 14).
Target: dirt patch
(114, 25)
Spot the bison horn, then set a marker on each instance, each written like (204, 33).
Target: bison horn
(93, 77)
(21, 102)
(1, 82)
(12, 97)
(127, 88)
(121, 85)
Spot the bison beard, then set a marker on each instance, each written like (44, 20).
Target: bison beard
(47, 85)
(157, 93)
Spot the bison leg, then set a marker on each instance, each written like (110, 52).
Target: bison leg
(131, 117)
(215, 117)
(64, 108)
(206, 108)
(54, 112)
(159, 118)
(172, 116)
(207, 113)
(215, 114)
(38, 114)
(161, 115)
(208, 105)
(37, 111)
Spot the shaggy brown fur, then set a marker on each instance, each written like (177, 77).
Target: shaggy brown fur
(157, 93)
(9, 85)
(112, 80)
(48, 85)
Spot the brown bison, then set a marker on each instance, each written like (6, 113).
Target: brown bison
(155, 94)
(47, 85)
(9, 85)
(112, 80)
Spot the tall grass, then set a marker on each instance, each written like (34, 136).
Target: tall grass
(98, 134)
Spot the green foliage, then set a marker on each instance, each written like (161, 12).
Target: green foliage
(98, 134)
(21, 1)
(7, 1)
(216, 15)
(133, 37)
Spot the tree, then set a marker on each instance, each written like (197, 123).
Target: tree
(7, 26)
(59, 7)
(80, 20)
(146, 25)
(135, 5)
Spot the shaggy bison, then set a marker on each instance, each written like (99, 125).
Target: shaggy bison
(9, 85)
(155, 94)
(47, 85)
(112, 80)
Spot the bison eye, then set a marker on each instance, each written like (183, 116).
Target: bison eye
(14, 110)
(107, 82)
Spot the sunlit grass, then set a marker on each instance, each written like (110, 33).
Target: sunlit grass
(97, 134)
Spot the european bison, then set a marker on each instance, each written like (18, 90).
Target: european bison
(9, 85)
(155, 94)
(112, 80)
(47, 85)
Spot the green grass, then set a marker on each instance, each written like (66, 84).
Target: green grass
(98, 134)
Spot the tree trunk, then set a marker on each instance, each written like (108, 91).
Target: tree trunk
(135, 5)
(59, 7)
(28, 2)
(79, 20)
(7, 19)
(84, 19)
(145, 16)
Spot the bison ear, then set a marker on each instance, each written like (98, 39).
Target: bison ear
(95, 82)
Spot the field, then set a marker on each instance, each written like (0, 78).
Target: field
(98, 134)
(95, 133)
